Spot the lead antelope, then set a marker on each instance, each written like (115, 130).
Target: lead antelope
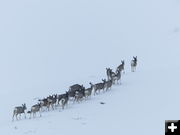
(18, 111)
(133, 64)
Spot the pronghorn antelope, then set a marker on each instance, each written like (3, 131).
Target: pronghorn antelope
(108, 72)
(59, 97)
(34, 109)
(98, 87)
(64, 100)
(133, 64)
(44, 103)
(116, 77)
(88, 92)
(112, 76)
(52, 101)
(121, 67)
(79, 94)
(18, 111)
(108, 84)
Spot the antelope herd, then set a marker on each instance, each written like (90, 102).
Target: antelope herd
(76, 93)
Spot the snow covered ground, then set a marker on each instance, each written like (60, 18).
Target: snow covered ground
(46, 46)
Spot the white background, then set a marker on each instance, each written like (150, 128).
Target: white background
(46, 46)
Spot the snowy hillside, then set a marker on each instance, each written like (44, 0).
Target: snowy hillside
(47, 46)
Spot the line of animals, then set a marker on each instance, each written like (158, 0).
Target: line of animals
(76, 93)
